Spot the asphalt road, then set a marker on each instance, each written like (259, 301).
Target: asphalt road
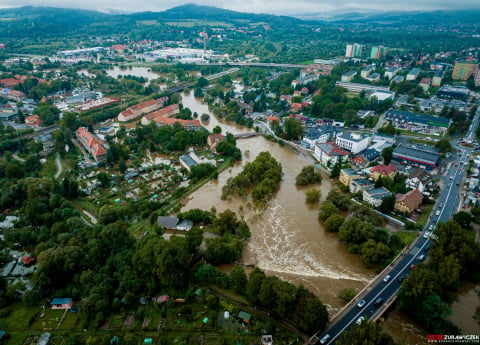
(447, 204)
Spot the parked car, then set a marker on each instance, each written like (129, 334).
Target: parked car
(360, 319)
(361, 303)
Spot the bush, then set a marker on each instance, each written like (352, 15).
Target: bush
(313, 195)
(347, 294)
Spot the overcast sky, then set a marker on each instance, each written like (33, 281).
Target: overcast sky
(286, 7)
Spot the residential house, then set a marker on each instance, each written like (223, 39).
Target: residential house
(323, 134)
(91, 144)
(167, 222)
(33, 121)
(373, 77)
(437, 78)
(408, 202)
(366, 71)
(61, 303)
(27, 260)
(384, 171)
(328, 154)
(347, 175)
(141, 108)
(244, 317)
(421, 180)
(359, 185)
(266, 339)
(375, 196)
(353, 142)
(213, 140)
(413, 74)
(391, 72)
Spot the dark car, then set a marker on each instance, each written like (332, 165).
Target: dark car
(402, 278)
(378, 302)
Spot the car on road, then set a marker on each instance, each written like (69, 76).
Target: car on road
(325, 339)
(378, 302)
(448, 185)
(427, 247)
(360, 319)
(402, 278)
(361, 303)
(426, 234)
(387, 278)
(456, 164)
(421, 257)
(437, 213)
(412, 266)
(430, 228)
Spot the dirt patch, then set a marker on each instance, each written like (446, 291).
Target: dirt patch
(146, 322)
(129, 320)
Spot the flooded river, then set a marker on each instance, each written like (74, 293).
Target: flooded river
(288, 241)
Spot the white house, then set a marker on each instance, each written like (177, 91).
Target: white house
(353, 142)
(375, 196)
(328, 154)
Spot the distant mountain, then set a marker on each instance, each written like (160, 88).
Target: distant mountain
(395, 18)
(45, 14)
(192, 11)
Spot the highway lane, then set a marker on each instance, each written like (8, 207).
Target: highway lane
(447, 205)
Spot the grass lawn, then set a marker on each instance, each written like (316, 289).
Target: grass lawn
(70, 321)
(421, 135)
(87, 205)
(48, 321)
(18, 318)
(49, 168)
(422, 220)
(407, 237)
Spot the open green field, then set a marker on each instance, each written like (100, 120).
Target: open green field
(192, 23)
(147, 22)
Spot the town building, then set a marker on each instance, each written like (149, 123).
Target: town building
(391, 72)
(407, 203)
(319, 67)
(322, 134)
(367, 71)
(413, 74)
(329, 154)
(381, 95)
(357, 88)
(347, 175)
(360, 185)
(382, 170)
(373, 77)
(417, 122)
(141, 109)
(348, 76)
(463, 70)
(397, 79)
(453, 92)
(415, 156)
(353, 142)
(188, 125)
(91, 144)
(353, 50)
(425, 84)
(375, 196)
(168, 111)
(437, 78)
(378, 52)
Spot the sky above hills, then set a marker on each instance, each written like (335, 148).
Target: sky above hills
(279, 7)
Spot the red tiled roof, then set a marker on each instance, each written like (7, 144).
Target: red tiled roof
(384, 169)
(412, 199)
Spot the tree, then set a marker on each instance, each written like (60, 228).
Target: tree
(387, 205)
(388, 129)
(347, 294)
(339, 199)
(326, 210)
(217, 130)
(311, 315)
(335, 173)
(372, 253)
(104, 179)
(307, 176)
(255, 280)
(366, 333)
(463, 218)
(293, 129)
(444, 145)
(387, 154)
(238, 280)
(313, 195)
(334, 222)
(355, 231)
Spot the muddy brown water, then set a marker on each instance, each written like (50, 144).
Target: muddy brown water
(288, 241)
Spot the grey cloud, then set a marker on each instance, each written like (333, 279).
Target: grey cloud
(285, 7)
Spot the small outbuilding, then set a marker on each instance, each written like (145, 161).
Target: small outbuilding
(245, 317)
(61, 303)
